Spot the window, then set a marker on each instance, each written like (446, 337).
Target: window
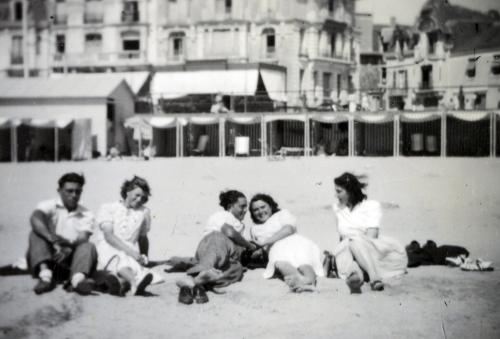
(384, 75)
(131, 41)
(60, 44)
(426, 77)
(228, 6)
(331, 5)
(4, 12)
(177, 45)
(18, 11)
(301, 78)
(327, 78)
(38, 43)
(270, 42)
(495, 66)
(470, 71)
(16, 56)
(302, 46)
(93, 43)
(130, 11)
(333, 41)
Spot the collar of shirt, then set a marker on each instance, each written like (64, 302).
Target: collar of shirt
(80, 210)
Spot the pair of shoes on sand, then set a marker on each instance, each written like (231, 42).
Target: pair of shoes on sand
(140, 289)
(476, 265)
(354, 282)
(84, 287)
(187, 295)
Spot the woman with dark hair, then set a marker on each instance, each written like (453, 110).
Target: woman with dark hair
(362, 253)
(293, 257)
(217, 258)
(123, 245)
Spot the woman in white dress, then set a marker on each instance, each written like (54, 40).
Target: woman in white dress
(294, 257)
(123, 246)
(361, 249)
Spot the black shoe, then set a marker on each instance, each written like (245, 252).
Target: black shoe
(44, 286)
(141, 287)
(199, 294)
(113, 286)
(185, 295)
(85, 287)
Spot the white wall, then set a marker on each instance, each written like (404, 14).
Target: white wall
(95, 111)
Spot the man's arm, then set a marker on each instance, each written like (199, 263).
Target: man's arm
(39, 225)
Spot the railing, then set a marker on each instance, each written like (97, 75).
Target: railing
(130, 16)
(16, 59)
(93, 18)
(96, 59)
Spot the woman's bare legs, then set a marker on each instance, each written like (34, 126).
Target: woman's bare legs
(365, 260)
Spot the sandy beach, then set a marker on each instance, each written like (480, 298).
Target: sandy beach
(451, 201)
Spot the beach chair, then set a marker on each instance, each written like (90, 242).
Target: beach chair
(202, 145)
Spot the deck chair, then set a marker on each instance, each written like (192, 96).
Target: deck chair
(202, 145)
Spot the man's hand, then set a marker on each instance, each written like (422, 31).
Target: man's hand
(61, 253)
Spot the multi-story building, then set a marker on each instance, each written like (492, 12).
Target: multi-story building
(447, 60)
(310, 43)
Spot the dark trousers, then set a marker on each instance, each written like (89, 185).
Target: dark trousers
(83, 259)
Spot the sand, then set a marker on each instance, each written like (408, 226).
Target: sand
(452, 201)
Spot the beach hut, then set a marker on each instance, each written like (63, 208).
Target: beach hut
(105, 102)
(329, 134)
(243, 135)
(374, 134)
(287, 134)
(468, 134)
(200, 135)
(420, 133)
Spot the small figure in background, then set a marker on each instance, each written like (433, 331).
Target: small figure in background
(218, 106)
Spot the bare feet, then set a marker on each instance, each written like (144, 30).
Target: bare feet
(298, 283)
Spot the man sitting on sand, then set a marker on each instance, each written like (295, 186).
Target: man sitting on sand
(59, 247)
(217, 258)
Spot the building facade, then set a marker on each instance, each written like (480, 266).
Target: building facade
(313, 40)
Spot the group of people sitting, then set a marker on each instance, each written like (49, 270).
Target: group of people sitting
(116, 261)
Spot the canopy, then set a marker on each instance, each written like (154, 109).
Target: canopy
(171, 85)
(469, 116)
(373, 118)
(250, 120)
(420, 117)
(275, 84)
(274, 117)
(330, 118)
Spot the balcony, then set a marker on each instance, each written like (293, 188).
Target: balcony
(130, 17)
(93, 18)
(425, 85)
(100, 59)
(16, 59)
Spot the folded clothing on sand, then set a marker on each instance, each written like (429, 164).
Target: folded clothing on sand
(431, 254)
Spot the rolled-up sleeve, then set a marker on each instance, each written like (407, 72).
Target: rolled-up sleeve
(105, 215)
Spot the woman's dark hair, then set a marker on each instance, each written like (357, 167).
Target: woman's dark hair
(135, 182)
(71, 177)
(268, 200)
(228, 198)
(353, 187)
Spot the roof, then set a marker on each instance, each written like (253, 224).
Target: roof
(135, 80)
(437, 14)
(490, 39)
(64, 87)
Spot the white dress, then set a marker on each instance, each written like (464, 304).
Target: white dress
(388, 253)
(294, 249)
(128, 225)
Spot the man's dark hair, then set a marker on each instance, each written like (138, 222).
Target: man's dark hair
(71, 177)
